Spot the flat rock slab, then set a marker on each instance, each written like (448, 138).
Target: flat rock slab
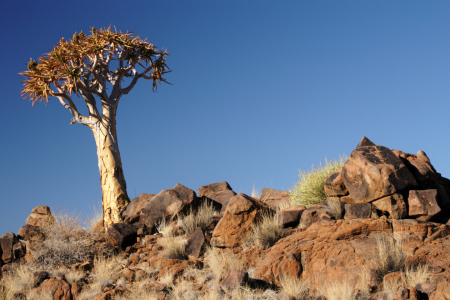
(314, 214)
(334, 185)
(373, 172)
(133, 211)
(220, 192)
(274, 198)
(195, 244)
(290, 217)
(358, 211)
(393, 205)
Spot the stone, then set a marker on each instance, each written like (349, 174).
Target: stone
(240, 215)
(365, 142)
(42, 210)
(168, 204)
(234, 280)
(132, 213)
(442, 292)
(407, 292)
(39, 277)
(358, 211)
(19, 250)
(7, 242)
(334, 185)
(394, 205)
(275, 199)
(220, 192)
(195, 244)
(426, 288)
(373, 172)
(314, 214)
(38, 220)
(290, 217)
(58, 289)
(423, 204)
(121, 235)
(29, 232)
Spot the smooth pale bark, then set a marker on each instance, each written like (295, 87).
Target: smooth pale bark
(112, 180)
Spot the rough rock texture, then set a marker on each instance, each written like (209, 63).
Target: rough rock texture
(334, 185)
(7, 242)
(58, 288)
(274, 198)
(315, 213)
(365, 142)
(167, 204)
(29, 232)
(195, 244)
(233, 280)
(220, 192)
(423, 205)
(132, 213)
(358, 211)
(394, 206)
(373, 172)
(40, 216)
(323, 252)
(290, 217)
(241, 214)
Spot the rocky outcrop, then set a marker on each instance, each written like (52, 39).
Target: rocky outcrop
(132, 213)
(275, 199)
(220, 192)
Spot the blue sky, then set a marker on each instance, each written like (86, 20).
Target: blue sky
(260, 90)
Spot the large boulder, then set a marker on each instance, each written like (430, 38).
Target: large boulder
(220, 192)
(7, 242)
(132, 213)
(290, 217)
(394, 206)
(121, 235)
(240, 215)
(168, 204)
(315, 213)
(40, 216)
(57, 288)
(423, 205)
(29, 232)
(373, 172)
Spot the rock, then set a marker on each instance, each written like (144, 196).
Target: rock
(240, 215)
(313, 214)
(19, 250)
(334, 185)
(168, 204)
(29, 232)
(275, 199)
(174, 267)
(426, 288)
(394, 205)
(290, 217)
(76, 289)
(407, 292)
(423, 204)
(220, 192)
(323, 252)
(132, 213)
(7, 242)
(195, 244)
(442, 292)
(234, 280)
(41, 210)
(121, 235)
(365, 142)
(358, 211)
(373, 172)
(58, 289)
(39, 277)
(38, 220)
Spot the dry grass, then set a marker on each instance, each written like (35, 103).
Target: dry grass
(335, 208)
(220, 263)
(106, 269)
(411, 276)
(18, 279)
(200, 218)
(338, 290)
(255, 192)
(67, 243)
(295, 288)
(390, 256)
(74, 276)
(138, 294)
(267, 230)
(165, 228)
(182, 290)
(309, 190)
(90, 291)
(175, 248)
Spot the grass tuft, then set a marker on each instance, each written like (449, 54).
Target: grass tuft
(295, 288)
(309, 190)
(267, 230)
(390, 256)
(200, 218)
(175, 248)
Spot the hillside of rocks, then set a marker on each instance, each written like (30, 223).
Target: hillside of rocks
(386, 216)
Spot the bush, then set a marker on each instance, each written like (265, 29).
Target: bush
(309, 190)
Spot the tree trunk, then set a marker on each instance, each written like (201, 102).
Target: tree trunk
(112, 180)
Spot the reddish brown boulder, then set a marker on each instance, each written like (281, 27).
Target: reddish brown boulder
(334, 185)
(133, 211)
(168, 204)
(240, 215)
(275, 199)
(442, 292)
(19, 250)
(7, 242)
(407, 292)
(220, 192)
(40, 216)
(290, 217)
(423, 205)
(57, 288)
(394, 206)
(426, 288)
(234, 280)
(373, 172)
(195, 244)
(365, 142)
(323, 253)
(358, 211)
(41, 210)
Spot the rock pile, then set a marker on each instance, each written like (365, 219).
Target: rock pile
(378, 195)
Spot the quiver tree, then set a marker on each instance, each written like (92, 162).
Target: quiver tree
(89, 67)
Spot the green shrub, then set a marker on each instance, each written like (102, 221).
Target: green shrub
(309, 190)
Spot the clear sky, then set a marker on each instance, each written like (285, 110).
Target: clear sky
(260, 90)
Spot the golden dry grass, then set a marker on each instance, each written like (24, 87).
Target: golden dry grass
(267, 230)
(199, 218)
(220, 264)
(295, 287)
